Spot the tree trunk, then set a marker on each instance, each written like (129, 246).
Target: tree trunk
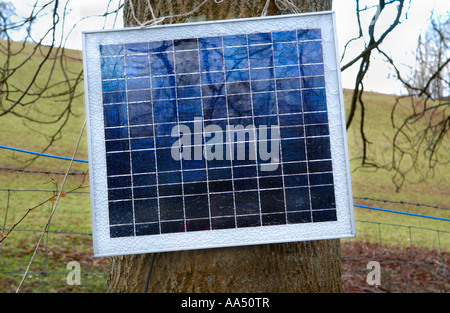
(313, 266)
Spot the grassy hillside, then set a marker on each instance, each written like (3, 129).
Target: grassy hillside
(73, 212)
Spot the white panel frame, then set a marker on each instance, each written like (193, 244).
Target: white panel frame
(344, 227)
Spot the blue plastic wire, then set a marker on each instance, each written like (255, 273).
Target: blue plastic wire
(43, 154)
(400, 212)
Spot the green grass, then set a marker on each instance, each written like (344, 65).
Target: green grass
(73, 212)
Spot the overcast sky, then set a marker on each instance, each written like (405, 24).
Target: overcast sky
(400, 44)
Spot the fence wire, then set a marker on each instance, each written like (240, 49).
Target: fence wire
(406, 264)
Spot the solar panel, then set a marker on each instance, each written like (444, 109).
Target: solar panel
(207, 132)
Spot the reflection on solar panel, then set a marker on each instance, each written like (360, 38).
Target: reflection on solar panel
(213, 133)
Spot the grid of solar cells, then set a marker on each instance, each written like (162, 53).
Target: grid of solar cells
(255, 79)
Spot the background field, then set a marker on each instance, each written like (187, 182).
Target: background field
(412, 241)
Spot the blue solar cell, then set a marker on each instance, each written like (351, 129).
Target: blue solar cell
(193, 164)
(165, 160)
(121, 231)
(112, 67)
(141, 131)
(162, 81)
(220, 186)
(139, 95)
(115, 115)
(188, 92)
(264, 103)
(196, 206)
(171, 208)
(316, 118)
(172, 227)
(311, 69)
(296, 180)
(245, 184)
(170, 190)
(291, 120)
(136, 48)
(119, 194)
(248, 221)
(314, 100)
(247, 202)
(320, 166)
(114, 97)
(213, 90)
(169, 178)
(235, 58)
(186, 62)
(318, 148)
(284, 36)
(222, 204)
(140, 113)
(210, 42)
(147, 229)
(117, 145)
(297, 199)
(119, 181)
(273, 219)
(259, 38)
(160, 46)
(262, 79)
(317, 130)
(189, 109)
(185, 44)
(263, 85)
(195, 188)
(260, 56)
(310, 52)
(238, 75)
(239, 105)
(287, 71)
(161, 64)
(165, 142)
(293, 149)
(213, 78)
(324, 216)
(164, 129)
(322, 197)
(211, 60)
(188, 79)
(299, 217)
(113, 85)
(165, 111)
(321, 179)
(285, 54)
(295, 168)
(272, 201)
(192, 176)
(116, 133)
(144, 180)
(237, 40)
(309, 34)
(142, 143)
(198, 224)
(291, 132)
(137, 66)
(111, 50)
(120, 212)
(313, 82)
(143, 161)
(271, 182)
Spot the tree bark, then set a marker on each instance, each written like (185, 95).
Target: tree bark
(313, 266)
